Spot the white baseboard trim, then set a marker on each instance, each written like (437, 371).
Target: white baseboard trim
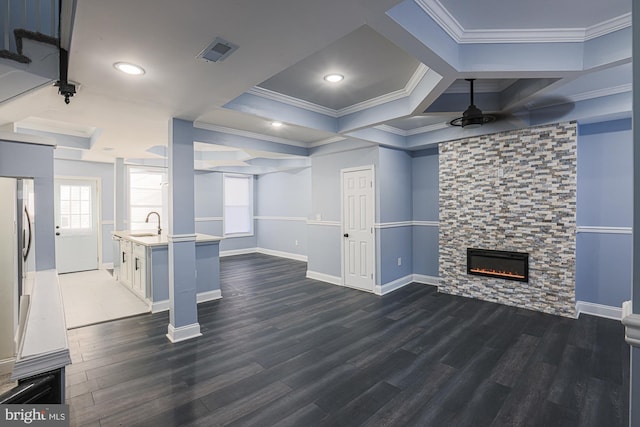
(393, 285)
(288, 255)
(379, 289)
(265, 251)
(183, 333)
(426, 280)
(334, 280)
(158, 306)
(404, 281)
(209, 296)
(107, 266)
(238, 252)
(6, 365)
(599, 310)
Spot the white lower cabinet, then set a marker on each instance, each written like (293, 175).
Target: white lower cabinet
(133, 267)
(139, 279)
(126, 253)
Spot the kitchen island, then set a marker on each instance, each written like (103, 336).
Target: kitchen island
(143, 266)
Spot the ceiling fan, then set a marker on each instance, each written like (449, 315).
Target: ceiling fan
(472, 116)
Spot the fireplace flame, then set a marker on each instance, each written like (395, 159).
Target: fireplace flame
(497, 272)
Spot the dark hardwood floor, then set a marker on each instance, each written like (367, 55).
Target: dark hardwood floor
(284, 350)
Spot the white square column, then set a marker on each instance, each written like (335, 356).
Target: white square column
(183, 309)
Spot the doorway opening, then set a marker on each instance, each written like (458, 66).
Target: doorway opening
(90, 292)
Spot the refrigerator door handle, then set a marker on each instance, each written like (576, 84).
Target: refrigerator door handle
(28, 243)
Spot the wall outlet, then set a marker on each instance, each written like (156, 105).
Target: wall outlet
(399, 261)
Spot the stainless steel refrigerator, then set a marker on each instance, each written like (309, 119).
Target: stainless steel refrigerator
(16, 258)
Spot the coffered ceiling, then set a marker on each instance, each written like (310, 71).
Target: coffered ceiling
(404, 65)
(532, 15)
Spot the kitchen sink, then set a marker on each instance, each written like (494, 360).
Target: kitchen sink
(143, 234)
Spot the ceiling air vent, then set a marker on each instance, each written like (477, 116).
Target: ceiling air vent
(218, 50)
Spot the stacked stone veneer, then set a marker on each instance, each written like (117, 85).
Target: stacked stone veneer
(512, 191)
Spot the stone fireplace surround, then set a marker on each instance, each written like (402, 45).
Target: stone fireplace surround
(511, 191)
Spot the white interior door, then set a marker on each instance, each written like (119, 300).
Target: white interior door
(76, 214)
(357, 227)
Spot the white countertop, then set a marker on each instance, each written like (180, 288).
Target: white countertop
(151, 239)
(43, 345)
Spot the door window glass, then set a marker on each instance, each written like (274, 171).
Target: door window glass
(75, 207)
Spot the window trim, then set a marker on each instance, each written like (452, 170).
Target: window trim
(157, 169)
(250, 179)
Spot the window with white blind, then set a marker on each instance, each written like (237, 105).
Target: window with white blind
(238, 205)
(148, 191)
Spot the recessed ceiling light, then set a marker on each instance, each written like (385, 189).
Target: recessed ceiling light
(334, 78)
(128, 68)
(276, 124)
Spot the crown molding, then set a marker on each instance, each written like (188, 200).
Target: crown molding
(420, 72)
(327, 141)
(391, 129)
(411, 132)
(531, 35)
(452, 27)
(413, 82)
(290, 100)
(443, 18)
(480, 86)
(608, 26)
(247, 134)
(584, 96)
(415, 131)
(429, 128)
(602, 92)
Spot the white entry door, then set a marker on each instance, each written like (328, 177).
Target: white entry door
(357, 228)
(76, 216)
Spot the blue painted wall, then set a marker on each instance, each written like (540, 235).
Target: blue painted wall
(603, 258)
(325, 240)
(406, 190)
(208, 278)
(394, 186)
(208, 202)
(283, 203)
(35, 161)
(325, 180)
(394, 241)
(207, 267)
(425, 178)
(104, 171)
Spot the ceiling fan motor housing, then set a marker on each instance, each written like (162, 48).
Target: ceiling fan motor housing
(472, 116)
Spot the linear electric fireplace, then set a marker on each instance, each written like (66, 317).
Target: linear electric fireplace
(500, 264)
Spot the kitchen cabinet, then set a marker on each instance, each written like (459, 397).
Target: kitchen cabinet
(125, 262)
(139, 270)
(144, 266)
(133, 267)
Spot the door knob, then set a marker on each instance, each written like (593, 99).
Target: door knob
(346, 234)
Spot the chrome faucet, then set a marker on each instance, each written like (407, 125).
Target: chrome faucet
(147, 220)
